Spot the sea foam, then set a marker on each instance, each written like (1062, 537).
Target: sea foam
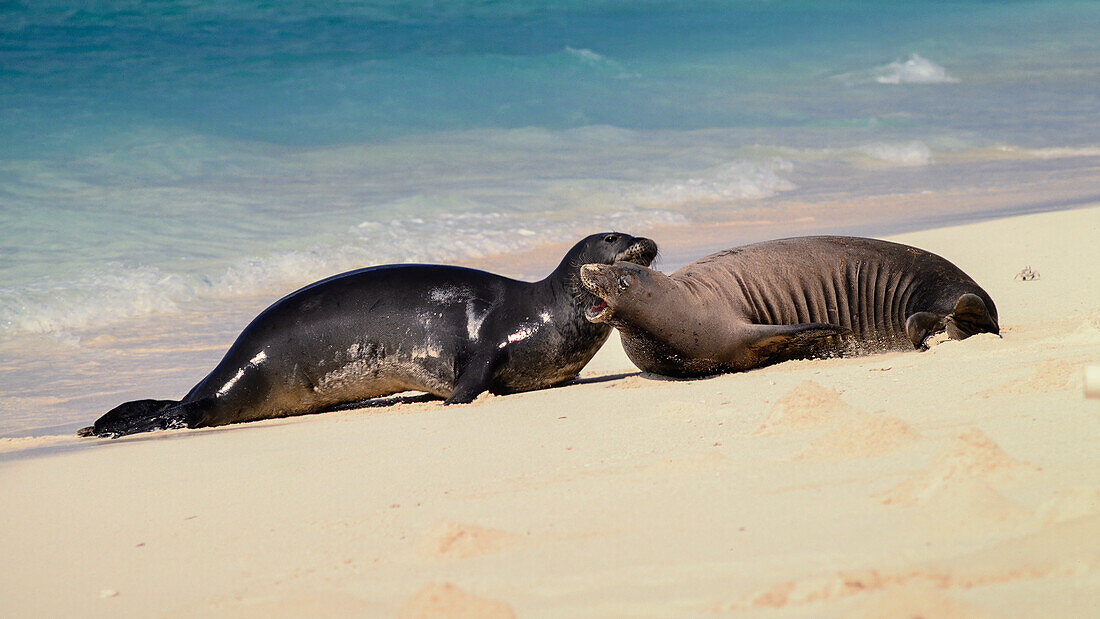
(599, 61)
(738, 180)
(915, 70)
(100, 297)
(1052, 152)
(103, 297)
(903, 153)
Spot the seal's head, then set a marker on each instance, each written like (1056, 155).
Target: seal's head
(611, 247)
(619, 286)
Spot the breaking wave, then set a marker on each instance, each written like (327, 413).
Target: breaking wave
(739, 180)
(915, 70)
(116, 293)
(905, 153)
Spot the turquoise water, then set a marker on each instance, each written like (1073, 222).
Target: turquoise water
(158, 154)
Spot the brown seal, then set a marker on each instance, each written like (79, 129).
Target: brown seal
(793, 298)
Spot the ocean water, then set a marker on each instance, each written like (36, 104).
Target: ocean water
(159, 156)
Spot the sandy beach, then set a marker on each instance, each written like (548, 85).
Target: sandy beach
(959, 482)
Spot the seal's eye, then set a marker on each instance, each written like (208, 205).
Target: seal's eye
(624, 282)
(611, 238)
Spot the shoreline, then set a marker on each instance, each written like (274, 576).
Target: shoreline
(201, 343)
(961, 481)
(681, 244)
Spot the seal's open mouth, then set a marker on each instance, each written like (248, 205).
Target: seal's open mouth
(598, 312)
(594, 277)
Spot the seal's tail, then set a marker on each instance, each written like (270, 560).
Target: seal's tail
(970, 316)
(131, 417)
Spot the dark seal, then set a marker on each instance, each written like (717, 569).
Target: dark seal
(786, 299)
(449, 331)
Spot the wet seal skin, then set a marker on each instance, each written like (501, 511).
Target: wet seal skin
(794, 298)
(449, 331)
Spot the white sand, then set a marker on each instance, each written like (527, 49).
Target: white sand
(960, 482)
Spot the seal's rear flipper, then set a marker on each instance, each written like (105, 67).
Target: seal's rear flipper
(776, 343)
(970, 317)
(145, 416)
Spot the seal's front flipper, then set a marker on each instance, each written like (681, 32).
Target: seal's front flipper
(775, 343)
(146, 416)
(971, 316)
(923, 325)
(471, 381)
